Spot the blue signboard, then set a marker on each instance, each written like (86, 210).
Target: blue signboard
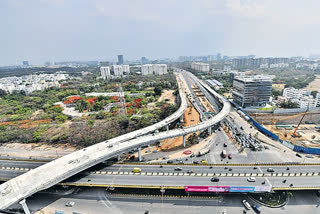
(241, 189)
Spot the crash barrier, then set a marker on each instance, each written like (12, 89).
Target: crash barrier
(225, 164)
(295, 148)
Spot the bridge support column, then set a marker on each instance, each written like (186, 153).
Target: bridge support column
(118, 157)
(139, 154)
(167, 127)
(181, 118)
(24, 206)
(184, 140)
(209, 130)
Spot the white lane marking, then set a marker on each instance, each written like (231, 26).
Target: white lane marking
(265, 177)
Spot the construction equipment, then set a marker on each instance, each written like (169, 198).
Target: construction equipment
(294, 134)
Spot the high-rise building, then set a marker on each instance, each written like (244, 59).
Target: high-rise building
(104, 63)
(117, 70)
(199, 66)
(218, 57)
(251, 90)
(158, 69)
(25, 63)
(144, 60)
(120, 59)
(105, 72)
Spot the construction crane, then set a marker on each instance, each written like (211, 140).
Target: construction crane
(294, 134)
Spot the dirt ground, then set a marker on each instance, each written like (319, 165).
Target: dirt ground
(310, 137)
(314, 85)
(168, 94)
(34, 150)
(191, 117)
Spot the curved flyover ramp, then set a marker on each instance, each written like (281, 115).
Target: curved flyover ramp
(58, 170)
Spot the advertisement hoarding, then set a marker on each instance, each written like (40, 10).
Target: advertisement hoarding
(241, 189)
(262, 189)
(207, 188)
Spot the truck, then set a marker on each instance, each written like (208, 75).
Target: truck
(203, 152)
(224, 153)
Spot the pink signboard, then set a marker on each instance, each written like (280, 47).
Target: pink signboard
(207, 188)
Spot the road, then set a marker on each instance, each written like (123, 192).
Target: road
(95, 200)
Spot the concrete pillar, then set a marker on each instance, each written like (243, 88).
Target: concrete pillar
(118, 157)
(181, 118)
(184, 140)
(24, 206)
(139, 154)
(209, 130)
(167, 127)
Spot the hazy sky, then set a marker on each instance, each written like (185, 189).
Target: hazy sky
(58, 30)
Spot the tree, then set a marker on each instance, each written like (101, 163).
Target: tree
(158, 90)
(275, 93)
(314, 93)
(124, 123)
(60, 118)
(289, 104)
(2, 93)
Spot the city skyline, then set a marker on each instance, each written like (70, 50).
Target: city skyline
(100, 30)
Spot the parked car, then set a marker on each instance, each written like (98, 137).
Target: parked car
(246, 204)
(215, 179)
(251, 179)
(298, 155)
(170, 161)
(230, 156)
(196, 162)
(225, 145)
(70, 204)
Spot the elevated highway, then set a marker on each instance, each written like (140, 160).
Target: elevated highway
(47, 175)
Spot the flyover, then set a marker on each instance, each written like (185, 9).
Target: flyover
(47, 175)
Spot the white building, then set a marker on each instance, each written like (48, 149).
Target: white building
(158, 69)
(117, 70)
(293, 93)
(126, 69)
(199, 66)
(302, 97)
(105, 72)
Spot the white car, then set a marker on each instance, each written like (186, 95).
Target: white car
(251, 179)
(70, 204)
(246, 204)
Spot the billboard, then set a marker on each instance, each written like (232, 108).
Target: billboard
(207, 188)
(262, 189)
(241, 189)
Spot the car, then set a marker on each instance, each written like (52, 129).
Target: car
(288, 168)
(178, 169)
(190, 171)
(255, 167)
(309, 156)
(219, 129)
(230, 156)
(298, 155)
(270, 170)
(178, 159)
(155, 151)
(70, 204)
(251, 179)
(136, 170)
(246, 204)
(196, 162)
(110, 145)
(192, 155)
(230, 169)
(256, 208)
(170, 161)
(241, 127)
(285, 180)
(225, 145)
(204, 162)
(214, 179)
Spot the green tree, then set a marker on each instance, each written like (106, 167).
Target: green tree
(124, 123)
(158, 90)
(314, 93)
(60, 118)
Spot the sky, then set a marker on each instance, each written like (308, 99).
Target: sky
(63, 30)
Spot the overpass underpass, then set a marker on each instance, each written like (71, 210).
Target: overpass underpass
(45, 176)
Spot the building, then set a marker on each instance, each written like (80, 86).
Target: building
(158, 69)
(120, 59)
(302, 97)
(144, 60)
(117, 70)
(126, 69)
(251, 62)
(199, 66)
(219, 57)
(105, 72)
(251, 90)
(25, 63)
